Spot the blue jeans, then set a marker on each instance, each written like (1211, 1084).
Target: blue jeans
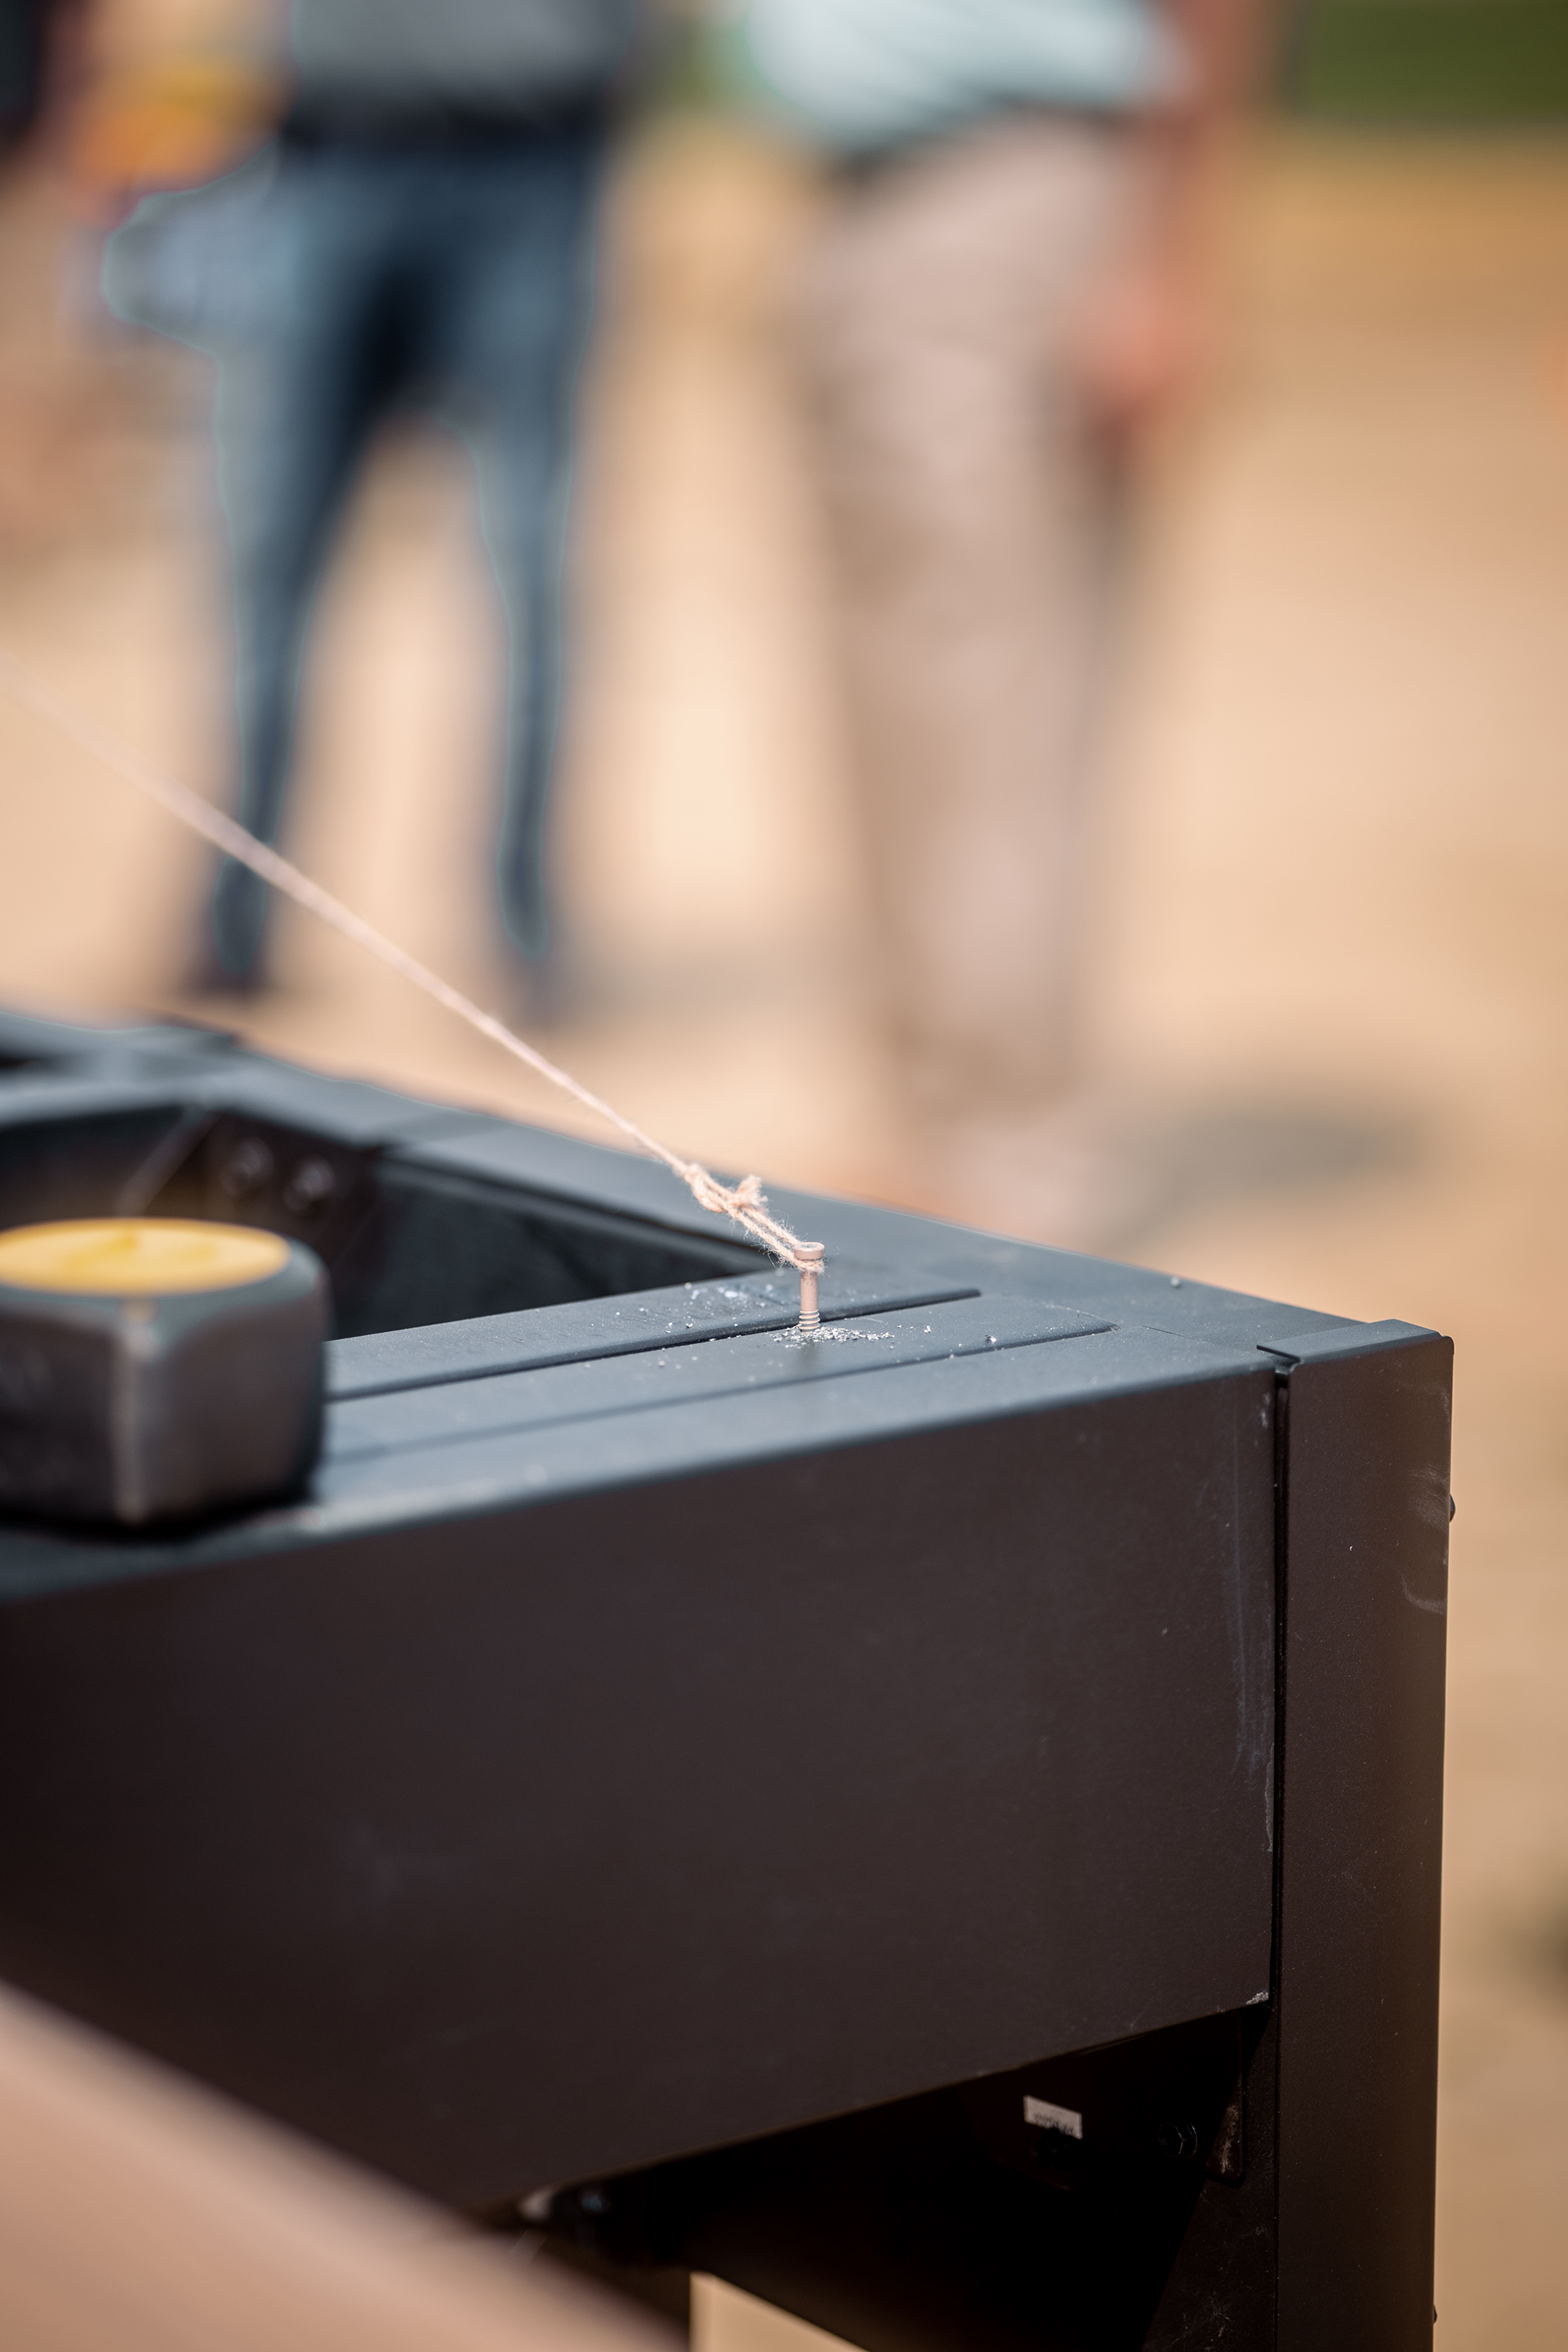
(458, 280)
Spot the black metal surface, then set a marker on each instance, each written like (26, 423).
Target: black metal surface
(1366, 1550)
(881, 2226)
(660, 1754)
(561, 1840)
(439, 1354)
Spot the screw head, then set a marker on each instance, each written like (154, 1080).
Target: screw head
(247, 1169)
(311, 1187)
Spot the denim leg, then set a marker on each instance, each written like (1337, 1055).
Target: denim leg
(508, 326)
(295, 412)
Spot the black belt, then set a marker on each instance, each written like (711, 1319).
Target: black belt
(859, 167)
(424, 127)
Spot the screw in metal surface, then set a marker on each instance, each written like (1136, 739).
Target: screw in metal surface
(812, 1255)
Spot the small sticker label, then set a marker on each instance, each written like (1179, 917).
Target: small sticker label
(1046, 2118)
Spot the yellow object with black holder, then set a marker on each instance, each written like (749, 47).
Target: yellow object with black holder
(156, 1368)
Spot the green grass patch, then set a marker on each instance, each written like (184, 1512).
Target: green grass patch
(1435, 60)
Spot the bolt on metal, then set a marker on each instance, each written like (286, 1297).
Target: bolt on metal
(812, 1255)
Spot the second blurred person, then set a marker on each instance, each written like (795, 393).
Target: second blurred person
(1006, 294)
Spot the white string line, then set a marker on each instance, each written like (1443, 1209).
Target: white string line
(745, 1202)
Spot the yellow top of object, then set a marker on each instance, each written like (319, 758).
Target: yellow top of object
(137, 1257)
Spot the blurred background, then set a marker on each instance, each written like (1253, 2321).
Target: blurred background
(1326, 977)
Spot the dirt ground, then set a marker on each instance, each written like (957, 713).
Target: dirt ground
(1330, 967)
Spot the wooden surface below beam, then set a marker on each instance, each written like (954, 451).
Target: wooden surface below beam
(139, 2213)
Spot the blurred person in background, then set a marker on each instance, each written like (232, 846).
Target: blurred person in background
(1007, 296)
(23, 67)
(421, 234)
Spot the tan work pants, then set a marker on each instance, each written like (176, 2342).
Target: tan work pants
(974, 520)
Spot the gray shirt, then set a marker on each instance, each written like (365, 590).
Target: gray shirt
(484, 53)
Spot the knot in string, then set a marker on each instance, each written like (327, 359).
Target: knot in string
(747, 1204)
